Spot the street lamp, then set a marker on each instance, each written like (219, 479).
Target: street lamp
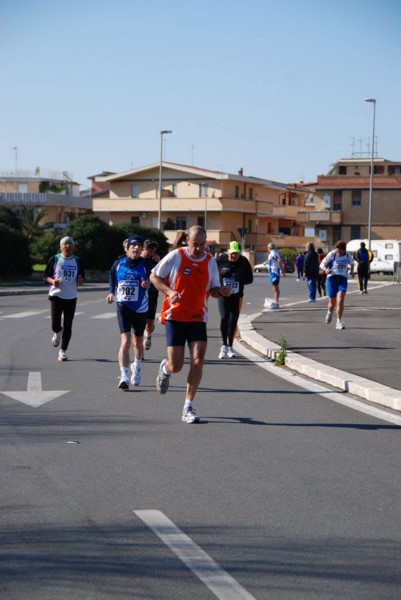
(159, 221)
(371, 173)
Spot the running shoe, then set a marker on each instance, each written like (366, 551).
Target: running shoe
(123, 384)
(329, 316)
(162, 380)
(62, 356)
(340, 325)
(135, 374)
(223, 352)
(56, 338)
(147, 342)
(275, 305)
(230, 353)
(190, 416)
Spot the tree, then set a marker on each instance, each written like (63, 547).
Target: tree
(10, 218)
(14, 253)
(31, 218)
(93, 242)
(45, 246)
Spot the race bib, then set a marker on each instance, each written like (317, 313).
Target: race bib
(232, 283)
(128, 291)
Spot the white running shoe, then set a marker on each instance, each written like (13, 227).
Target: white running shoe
(274, 305)
(329, 316)
(147, 342)
(123, 384)
(135, 374)
(56, 338)
(190, 416)
(231, 353)
(162, 380)
(340, 325)
(62, 356)
(223, 352)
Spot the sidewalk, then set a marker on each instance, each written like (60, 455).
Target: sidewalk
(363, 359)
(37, 288)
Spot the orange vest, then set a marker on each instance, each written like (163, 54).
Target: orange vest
(191, 281)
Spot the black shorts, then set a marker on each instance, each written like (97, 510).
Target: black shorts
(152, 300)
(178, 333)
(127, 320)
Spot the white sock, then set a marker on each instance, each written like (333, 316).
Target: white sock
(124, 371)
(188, 405)
(137, 364)
(166, 373)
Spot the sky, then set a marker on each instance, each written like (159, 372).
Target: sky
(274, 87)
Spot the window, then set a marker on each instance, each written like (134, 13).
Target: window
(135, 220)
(250, 194)
(337, 200)
(174, 190)
(201, 221)
(389, 246)
(336, 233)
(309, 232)
(203, 190)
(394, 170)
(181, 223)
(356, 197)
(342, 170)
(355, 232)
(236, 193)
(378, 170)
(327, 201)
(388, 257)
(135, 191)
(249, 226)
(269, 228)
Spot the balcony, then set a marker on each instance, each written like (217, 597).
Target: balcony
(327, 217)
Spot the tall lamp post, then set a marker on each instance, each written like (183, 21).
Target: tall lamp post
(371, 172)
(159, 220)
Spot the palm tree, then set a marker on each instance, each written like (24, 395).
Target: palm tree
(31, 222)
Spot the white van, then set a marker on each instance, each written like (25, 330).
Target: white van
(385, 253)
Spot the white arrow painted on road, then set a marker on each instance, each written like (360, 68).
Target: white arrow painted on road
(34, 395)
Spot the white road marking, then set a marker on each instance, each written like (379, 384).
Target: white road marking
(22, 315)
(317, 388)
(34, 395)
(219, 582)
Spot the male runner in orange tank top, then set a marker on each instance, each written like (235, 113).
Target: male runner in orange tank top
(186, 276)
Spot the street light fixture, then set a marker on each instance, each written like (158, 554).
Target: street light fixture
(371, 173)
(159, 221)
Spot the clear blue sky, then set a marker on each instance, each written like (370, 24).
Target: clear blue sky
(275, 87)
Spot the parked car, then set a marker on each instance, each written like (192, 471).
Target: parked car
(263, 268)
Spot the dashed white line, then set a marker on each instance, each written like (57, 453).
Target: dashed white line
(219, 582)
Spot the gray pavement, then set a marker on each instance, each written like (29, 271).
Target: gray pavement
(363, 359)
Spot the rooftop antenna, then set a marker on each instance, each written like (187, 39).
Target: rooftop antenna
(360, 147)
(353, 147)
(16, 158)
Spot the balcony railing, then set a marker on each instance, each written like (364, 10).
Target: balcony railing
(330, 217)
(46, 200)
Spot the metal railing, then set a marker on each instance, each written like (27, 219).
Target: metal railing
(46, 200)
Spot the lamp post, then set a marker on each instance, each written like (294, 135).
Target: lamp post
(159, 220)
(371, 173)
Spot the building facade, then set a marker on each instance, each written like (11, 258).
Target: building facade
(56, 194)
(342, 200)
(251, 210)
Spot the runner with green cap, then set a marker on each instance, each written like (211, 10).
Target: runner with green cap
(235, 271)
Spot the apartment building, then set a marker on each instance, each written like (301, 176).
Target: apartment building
(229, 206)
(342, 202)
(56, 193)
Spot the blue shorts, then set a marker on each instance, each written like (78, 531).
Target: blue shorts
(178, 333)
(128, 319)
(335, 284)
(274, 278)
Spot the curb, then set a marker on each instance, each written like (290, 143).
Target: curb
(353, 384)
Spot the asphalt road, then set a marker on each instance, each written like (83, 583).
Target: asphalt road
(288, 495)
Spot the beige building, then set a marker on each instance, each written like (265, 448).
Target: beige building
(229, 206)
(342, 202)
(55, 193)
